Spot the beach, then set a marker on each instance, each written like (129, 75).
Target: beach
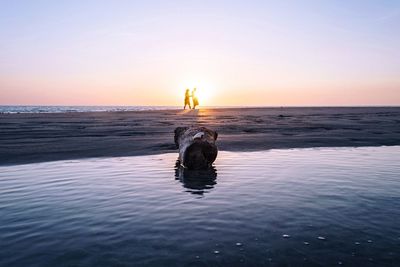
(38, 137)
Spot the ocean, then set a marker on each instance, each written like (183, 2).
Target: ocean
(64, 109)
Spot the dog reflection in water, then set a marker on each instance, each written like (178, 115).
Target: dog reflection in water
(196, 181)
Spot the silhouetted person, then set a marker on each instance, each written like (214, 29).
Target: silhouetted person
(194, 98)
(187, 99)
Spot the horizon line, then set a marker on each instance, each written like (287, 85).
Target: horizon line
(213, 106)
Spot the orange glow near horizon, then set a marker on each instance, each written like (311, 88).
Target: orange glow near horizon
(208, 95)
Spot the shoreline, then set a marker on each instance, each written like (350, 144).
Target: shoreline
(175, 152)
(39, 137)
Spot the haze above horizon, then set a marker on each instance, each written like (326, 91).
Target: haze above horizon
(253, 53)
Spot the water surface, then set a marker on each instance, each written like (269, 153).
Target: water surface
(66, 109)
(300, 207)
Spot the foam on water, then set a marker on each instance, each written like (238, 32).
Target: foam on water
(301, 207)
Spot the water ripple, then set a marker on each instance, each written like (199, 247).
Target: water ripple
(334, 205)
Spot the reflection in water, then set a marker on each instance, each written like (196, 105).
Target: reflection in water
(196, 181)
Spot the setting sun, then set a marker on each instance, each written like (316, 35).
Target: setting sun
(204, 91)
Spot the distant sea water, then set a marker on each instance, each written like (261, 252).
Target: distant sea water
(64, 109)
(8, 109)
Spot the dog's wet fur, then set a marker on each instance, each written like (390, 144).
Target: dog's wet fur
(197, 148)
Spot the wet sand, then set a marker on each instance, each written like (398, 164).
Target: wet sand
(26, 138)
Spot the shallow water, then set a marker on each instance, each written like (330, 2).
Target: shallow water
(302, 207)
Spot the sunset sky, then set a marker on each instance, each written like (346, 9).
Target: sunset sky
(245, 53)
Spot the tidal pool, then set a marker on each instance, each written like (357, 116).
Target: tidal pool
(296, 207)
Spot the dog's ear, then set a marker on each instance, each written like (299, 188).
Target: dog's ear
(215, 136)
(178, 132)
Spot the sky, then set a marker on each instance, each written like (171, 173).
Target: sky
(236, 53)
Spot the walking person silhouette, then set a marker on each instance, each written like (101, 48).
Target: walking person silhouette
(187, 99)
(195, 99)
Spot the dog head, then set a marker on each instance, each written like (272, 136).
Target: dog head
(197, 146)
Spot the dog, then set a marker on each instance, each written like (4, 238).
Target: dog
(197, 148)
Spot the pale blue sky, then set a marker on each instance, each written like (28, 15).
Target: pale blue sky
(240, 52)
